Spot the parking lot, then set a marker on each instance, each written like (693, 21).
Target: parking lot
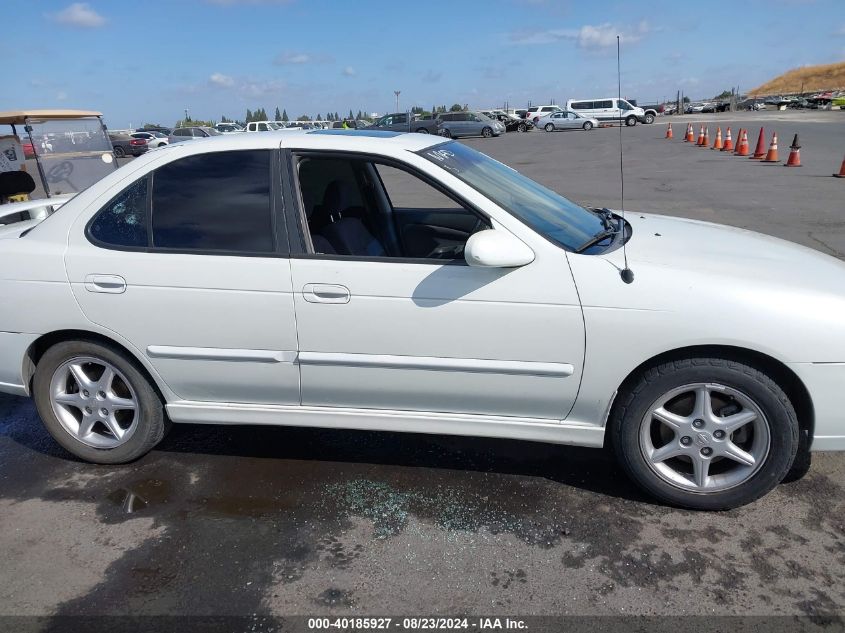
(239, 521)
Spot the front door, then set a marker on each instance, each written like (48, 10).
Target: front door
(389, 316)
(187, 267)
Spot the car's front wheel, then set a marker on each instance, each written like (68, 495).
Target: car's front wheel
(588, 126)
(522, 127)
(550, 127)
(445, 133)
(97, 403)
(649, 118)
(119, 152)
(705, 433)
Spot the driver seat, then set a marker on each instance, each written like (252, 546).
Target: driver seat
(14, 184)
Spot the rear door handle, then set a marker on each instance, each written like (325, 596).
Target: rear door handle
(325, 293)
(109, 284)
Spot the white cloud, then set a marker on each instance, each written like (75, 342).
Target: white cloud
(588, 37)
(79, 14)
(224, 81)
(297, 58)
(349, 72)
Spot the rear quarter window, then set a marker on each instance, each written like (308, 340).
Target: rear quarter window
(123, 221)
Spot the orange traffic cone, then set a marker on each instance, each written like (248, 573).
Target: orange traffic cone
(689, 137)
(772, 154)
(742, 146)
(729, 144)
(700, 140)
(717, 144)
(794, 159)
(706, 140)
(669, 131)
(738, 139)
(841, 173)
(760, 150)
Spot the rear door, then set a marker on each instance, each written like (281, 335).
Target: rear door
(189, 267)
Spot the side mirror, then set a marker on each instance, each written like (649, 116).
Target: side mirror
(496, 249)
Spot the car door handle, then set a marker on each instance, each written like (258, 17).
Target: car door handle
(110, 284)
(325, 293)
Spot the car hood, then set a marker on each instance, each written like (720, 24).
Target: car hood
(694, 246)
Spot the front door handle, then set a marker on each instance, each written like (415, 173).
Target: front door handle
(110, 284)
(325, 293)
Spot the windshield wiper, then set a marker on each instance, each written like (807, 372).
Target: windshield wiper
(598, 237)
(606, 216)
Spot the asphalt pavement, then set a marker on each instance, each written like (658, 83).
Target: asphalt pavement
(242, 521)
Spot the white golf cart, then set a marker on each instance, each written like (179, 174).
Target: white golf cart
(70, 150)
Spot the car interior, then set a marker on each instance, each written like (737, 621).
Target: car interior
(363, 208)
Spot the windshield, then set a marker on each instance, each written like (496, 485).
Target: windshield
(553, 216)
(72, 153)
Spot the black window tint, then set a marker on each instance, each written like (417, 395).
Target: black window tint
(123, 221)
(217, 201)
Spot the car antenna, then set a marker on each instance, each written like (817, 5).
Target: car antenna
(626, 273)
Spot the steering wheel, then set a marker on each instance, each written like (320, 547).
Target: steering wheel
(60, 171)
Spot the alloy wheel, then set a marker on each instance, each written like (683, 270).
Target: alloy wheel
(704, 437)
(94, 402)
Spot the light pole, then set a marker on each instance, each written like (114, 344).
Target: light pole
(186, 116)
(397, 92)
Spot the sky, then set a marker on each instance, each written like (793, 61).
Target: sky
(146, 61)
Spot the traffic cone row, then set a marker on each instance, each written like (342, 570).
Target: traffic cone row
(743, 149)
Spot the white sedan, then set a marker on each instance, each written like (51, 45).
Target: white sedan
(565, 120)
(402, 282)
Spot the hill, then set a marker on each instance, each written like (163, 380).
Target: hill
(812, 78)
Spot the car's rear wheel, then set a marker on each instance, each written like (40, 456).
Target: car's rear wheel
(705, 433)
(587, 125)
(631, 121)
(487, 132)
(550, 127)
(119, 152)
(522, 127)
(97, 403)
(421, 130)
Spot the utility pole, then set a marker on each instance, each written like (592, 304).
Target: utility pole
(186, 116)
(397, 92)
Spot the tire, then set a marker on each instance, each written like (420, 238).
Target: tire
(631, 121)
(143, 427)
(588, 126)
(119, 152)
(487, 132)
(445, 133)
(649, 118)
(422, 130)
(770, 436)
(549, 127)
(522, 127)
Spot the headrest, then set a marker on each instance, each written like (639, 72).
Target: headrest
(12, 182)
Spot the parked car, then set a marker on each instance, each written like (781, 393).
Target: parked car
(512, 124)
(125, 145)
(181, 134)
(610, 109)
(565, 120)
(535, 113)
(706, 372)
(649, 111)
(229, 128)
(154, 139)
(467, 123)
(403, 122)
(162, 130)
(264, 126)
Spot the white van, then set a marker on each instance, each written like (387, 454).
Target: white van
(608, 109)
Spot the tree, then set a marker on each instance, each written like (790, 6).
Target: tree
(360, 115)
(336, 116)
(285, 116)
(278, 116)
(303, 117)
(686, 99)
(456, 107)
(151, 126)
(416, 110)
(225, 119)
(319, 117)
(725, 94)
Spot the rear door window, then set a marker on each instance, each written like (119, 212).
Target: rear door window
(214, 202)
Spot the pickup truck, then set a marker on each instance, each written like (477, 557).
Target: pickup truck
(649, 111)
(404, 122)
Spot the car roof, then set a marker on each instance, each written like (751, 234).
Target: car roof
(18, 117)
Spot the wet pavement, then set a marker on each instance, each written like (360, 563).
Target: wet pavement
(239, 521)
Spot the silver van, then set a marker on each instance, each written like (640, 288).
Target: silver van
(468, 123)
(609, 109)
